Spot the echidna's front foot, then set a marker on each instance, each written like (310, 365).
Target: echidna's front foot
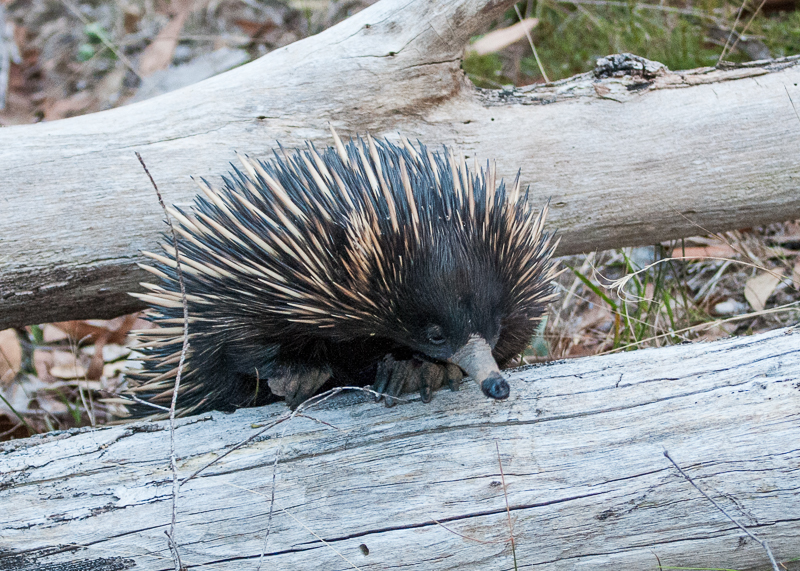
(394, 378)
(296, 385)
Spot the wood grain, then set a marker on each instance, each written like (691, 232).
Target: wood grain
(581, 444)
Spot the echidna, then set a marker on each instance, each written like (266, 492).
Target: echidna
(367, 263)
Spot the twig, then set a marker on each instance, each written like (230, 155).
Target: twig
(792, 102)
(733, 31)
(115, 51)
(309, 530)
(173, 546)
(317, 399)
(326, 543)
(10, 430)
(308, 403)
(467, 537)
(73, 346)
(643, 6)
(18, 415)
(659, 561)
(533, 47)
(313, 401)
(508, 514)
(136, 399)
(719, 507)
(744, 30)
(508, 509)
(319, 421)
(283, 418)
(271, 507)
(89, 410)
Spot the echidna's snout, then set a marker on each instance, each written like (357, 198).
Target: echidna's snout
(475, 358)
(495, 387)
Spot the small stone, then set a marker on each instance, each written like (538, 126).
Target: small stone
(730, 307)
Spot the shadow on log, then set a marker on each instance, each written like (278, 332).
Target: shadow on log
(418, 486)
(630, 154)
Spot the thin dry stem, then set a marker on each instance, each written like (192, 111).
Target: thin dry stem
(533, 47)
(709, 325)
(508, 509)
(121, 56)
(173, 546)
(620, 284)
(746, 26)
(467, 537)
(720, 508)
(308, 529)
(733, 31)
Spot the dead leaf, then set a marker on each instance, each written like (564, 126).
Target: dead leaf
(69, 107)
(111, 352)
(100, 332)
(42, 362)
(113, 330)
(113, 369)
(158, 55)
(717, 331)
(499, 39)
(82, 331)
(63, 358)
(758, 289)
(52, 334)
(595, 316)
(68, 372)
(601, 90)
(702, 252)
(131, 16)
(21, 395)
(86, 385)
(255, 29)
(730, 307)
(10, 355)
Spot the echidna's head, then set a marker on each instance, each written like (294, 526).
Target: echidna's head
(451, 306)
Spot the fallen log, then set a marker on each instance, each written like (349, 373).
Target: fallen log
(360, 486)
(631, 154)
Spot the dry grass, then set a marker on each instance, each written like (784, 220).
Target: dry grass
(699, 289)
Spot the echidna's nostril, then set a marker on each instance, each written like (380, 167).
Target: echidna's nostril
(496, 387)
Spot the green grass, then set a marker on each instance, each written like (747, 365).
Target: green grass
(570, 37)
(780, 32)
(650, 303)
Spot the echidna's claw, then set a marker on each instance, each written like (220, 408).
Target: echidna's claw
(298, 385)
(402, 381)
(454, 376)
(393, 378)
(432, 376)
(382, 376)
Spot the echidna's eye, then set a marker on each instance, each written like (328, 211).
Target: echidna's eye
(435, 335)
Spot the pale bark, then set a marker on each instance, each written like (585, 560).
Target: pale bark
(626, 160)
(581, 444)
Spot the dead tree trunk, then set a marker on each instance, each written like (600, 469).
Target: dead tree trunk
(627, 157)
(420, 486)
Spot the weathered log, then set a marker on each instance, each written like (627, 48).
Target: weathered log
(635, 159)
(581, 444)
